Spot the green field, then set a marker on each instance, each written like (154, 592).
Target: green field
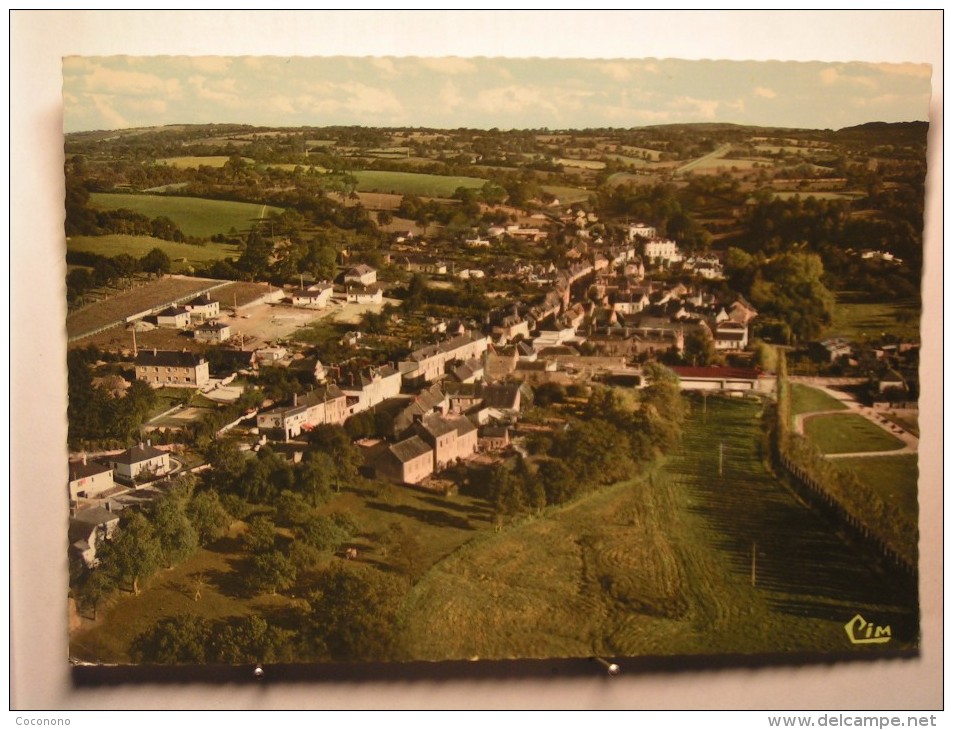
(413, 183)
(566, 194)
(848, 433)
(139, 246)
(659, 567)
(805, 399)
(583, 164)
(194, 216)
(194, 162)
(894, 478)
(860, 320)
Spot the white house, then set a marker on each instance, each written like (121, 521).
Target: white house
(140, 463)
(662, 251)
(177, 317)
(316, 296)
(362, 294)
(361, 274)
(202, 308)
(89, 479)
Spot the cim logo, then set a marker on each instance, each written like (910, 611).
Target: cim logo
(860, 631)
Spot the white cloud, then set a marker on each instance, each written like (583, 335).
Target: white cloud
(111, 119)
(104, 80)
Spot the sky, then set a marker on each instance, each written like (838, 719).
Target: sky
(115, 92)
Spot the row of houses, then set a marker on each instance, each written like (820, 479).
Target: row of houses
(94, 479)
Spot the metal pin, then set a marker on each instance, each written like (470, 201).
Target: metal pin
(613, 670)
(259, 672)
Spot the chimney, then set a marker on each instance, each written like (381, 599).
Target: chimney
(84, 458)
(155, 352)
(294, 400)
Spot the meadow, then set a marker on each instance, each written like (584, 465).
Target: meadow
(848, 433)
(413, 183)
(139, 246)
(194, 216)
(859, 320)
(194, 161)
(659, 566)
(805, 399)
(894, 478)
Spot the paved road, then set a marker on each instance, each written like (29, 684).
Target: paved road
(910, 442)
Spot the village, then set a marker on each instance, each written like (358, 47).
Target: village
(277, 408)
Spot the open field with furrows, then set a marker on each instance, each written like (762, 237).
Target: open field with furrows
(152, 294)
(661, 566)
(848, 433)
(194, 216)
(194, 162)
(413, 183)
(859, 320)
(139, 246)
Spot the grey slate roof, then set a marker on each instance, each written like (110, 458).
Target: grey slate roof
(409, 449)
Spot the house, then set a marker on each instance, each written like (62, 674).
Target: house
(322, 405)
(361, 274)
(362, 294)
(450, 437)
(832, 349)
(202, 308)
(661, 251)
(213, 332)
(88, 529)
(503, 396)
(173, 317)
(641, 230)
(494, 438)
(470, 371)
(428, 400)
(730, 336)
(141, 463)
(428, 363)
(316, 296)
(171, 367)
(407, 462)
(89, 479)
(365, 391)
(270, 355)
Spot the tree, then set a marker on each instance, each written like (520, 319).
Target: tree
(699, 348)
(134, 553)
(789, 287)
(353, 616)
(272, 571)
(209, 518)
(174, 640)
(314, 477)
(156, 262)
(176, 537)
(261, 535)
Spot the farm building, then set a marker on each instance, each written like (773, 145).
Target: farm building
(202, 308)
(88, 528)
(361, 274)
(172, 367)
(722, 379)
(316, 296)
(213, 332)
(362, 294)
(174, 317)
(325, 404)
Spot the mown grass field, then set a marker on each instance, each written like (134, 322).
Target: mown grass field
(894, 477)
(139, 246)
(567, 194)
(194, 162)
(660, 566)
(413, 183)
(861, 320)
(848, 433)
(805, 399)
(194, 216)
